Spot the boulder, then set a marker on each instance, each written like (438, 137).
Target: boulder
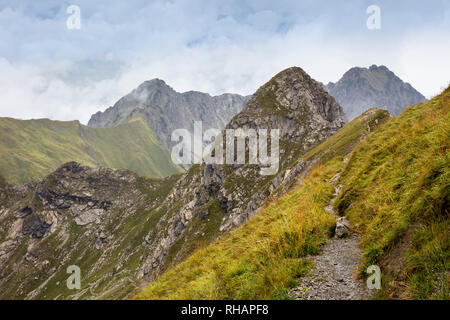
(342, 228)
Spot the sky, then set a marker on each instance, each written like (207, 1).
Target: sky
(48, 69)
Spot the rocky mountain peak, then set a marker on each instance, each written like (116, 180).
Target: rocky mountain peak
(155, 82)
(380, 68)
(360, 89)
(294, 103)
(305, 115)
(165, 110)
(153, 85)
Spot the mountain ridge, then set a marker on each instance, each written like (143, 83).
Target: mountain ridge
(397, 160)
(33, 148)
(362, 88)
(125, 231)
(166, 109)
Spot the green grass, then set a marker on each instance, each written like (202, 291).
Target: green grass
(31, 149)
(396, 191)
(346, 139)
(264, 257)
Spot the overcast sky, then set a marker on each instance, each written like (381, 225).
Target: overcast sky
(48, 70)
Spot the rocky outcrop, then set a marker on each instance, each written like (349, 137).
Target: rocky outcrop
(342, 228)
(305, 115)
(363, 88)
(165, 110)
(96, 218)
(225, 196)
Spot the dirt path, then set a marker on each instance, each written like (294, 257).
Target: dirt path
(333, 277)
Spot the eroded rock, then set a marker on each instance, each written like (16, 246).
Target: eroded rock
(342, 228)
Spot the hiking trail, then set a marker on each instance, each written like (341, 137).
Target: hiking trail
(333, 277)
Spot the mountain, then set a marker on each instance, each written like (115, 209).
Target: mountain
(227, 231)
(304, 113)
(362, 88)
(123, 230)
(165, 110)
(32, 149)
(95, 218)
(388, 176)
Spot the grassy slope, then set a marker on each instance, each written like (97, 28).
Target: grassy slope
(32, 149)
(261, 258)
(264, 257)
(396, 191)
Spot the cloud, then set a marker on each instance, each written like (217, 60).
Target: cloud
(212, 46)
(28, 91)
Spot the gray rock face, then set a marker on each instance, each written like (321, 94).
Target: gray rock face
(304, 113)
(218, 198)
(363, 88)
(165, 110)
(96, 218)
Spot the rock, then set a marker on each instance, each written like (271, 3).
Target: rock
(102, 239)
(360, 89)
(22, 213)
(165, 110)
(31, 257)
(89, 216)
(33, 225)
(7, 246)
(342, 228)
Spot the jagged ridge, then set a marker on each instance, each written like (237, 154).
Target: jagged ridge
(165, 110)
(360, 89)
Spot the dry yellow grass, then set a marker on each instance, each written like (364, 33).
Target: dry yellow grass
(261, 259)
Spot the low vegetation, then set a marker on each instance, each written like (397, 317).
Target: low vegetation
(396, 191)
(31, 149)
(264, 256)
